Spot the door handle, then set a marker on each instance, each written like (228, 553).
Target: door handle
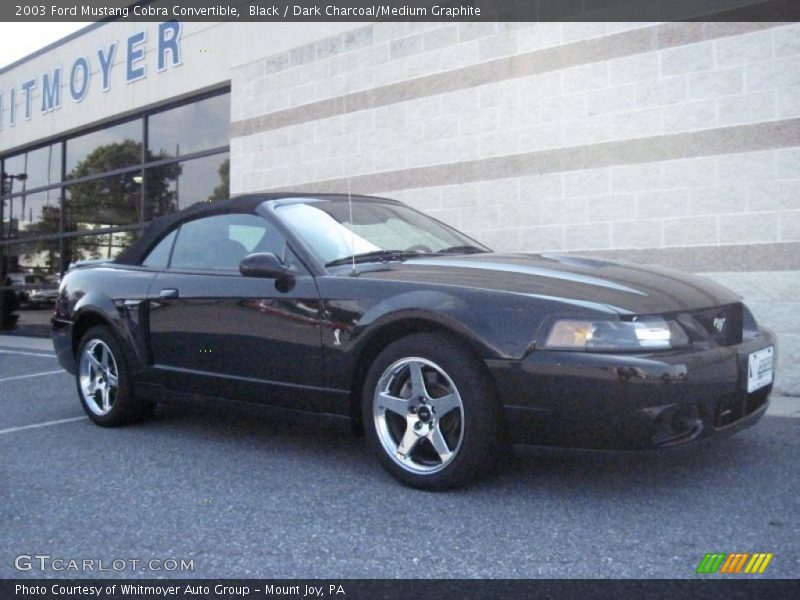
(168, 293)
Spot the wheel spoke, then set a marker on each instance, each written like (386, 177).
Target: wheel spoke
(407, 443)
(445, 404)
(417, 380)
(439, 444)
(106, 397)
(390, 403)
(93, 360)
(103, 356)
(111, 379)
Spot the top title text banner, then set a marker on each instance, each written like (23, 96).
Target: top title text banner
(410, 10)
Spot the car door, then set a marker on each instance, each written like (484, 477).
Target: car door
(215, 332)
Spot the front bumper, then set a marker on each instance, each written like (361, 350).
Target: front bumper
(623, 401)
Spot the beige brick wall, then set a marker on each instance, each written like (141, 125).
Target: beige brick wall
(551, 137)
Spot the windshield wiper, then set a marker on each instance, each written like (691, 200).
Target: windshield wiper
(375, 255)
(462, 250)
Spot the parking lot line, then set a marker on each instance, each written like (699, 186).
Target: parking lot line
(16, 377)
(27, 353)
(38, 425)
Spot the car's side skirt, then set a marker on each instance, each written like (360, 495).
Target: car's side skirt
(235, 387)
(158, 393)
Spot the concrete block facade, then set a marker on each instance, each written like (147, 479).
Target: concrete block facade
(671, 143)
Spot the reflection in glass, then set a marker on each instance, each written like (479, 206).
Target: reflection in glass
(102, 203)
(31, 286)
(33, 263)
(191, 128)
(42, 166)
(175, 187)
(34, 267)
(33, 214)
(105, 150)
(94, 247)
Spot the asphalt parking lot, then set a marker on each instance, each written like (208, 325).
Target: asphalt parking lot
(245, 496)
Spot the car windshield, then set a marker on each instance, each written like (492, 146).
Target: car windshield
(376, 231)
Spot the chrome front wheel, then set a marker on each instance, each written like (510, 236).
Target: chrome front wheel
(418, 415)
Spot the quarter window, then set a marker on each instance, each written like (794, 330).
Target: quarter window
(159, 256)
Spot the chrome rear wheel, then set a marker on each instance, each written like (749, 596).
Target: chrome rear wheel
(98, 377)
(104, 381)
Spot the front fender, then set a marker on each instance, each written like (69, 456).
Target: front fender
(436, 307)
(355, 328)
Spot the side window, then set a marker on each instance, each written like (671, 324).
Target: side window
(220, 242)
(159, 256)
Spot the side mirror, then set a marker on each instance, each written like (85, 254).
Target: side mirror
(264, 264)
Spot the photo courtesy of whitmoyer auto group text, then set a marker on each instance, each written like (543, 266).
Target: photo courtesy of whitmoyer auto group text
(349, 299)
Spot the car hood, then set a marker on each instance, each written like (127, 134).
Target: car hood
(626, 288)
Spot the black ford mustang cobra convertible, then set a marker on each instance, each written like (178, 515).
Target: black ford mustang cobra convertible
(443, 351)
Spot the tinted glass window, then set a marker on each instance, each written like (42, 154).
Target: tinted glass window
(222, 241)
(29, 289)
(14, 165)
(179, 185)
(107, 246)
(32, 262)
(34, 214)
(102, 203)
(105, 150)
(191, 128)
(42, 167)
(159, 256)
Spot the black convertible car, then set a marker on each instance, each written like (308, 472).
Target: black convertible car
(444, 352)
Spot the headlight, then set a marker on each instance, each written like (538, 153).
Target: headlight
(643, 334)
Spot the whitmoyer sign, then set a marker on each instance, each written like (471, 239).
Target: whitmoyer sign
(76, 80)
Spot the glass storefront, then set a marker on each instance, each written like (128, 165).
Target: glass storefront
(43, 166)
(108, 202)
(190, 128)
(179, 185)
(105, 150)
(89, 196)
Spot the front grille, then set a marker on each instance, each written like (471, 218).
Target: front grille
(723, 324)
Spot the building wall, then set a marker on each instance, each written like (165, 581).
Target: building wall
(209, 51)
(206, 63)
(671, 143)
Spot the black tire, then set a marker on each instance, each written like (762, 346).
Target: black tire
(124, 407)
(480, 429)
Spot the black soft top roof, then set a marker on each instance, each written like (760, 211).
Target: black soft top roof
(159, 227)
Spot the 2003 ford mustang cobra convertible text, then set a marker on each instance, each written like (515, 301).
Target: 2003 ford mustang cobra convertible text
(443, 351)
